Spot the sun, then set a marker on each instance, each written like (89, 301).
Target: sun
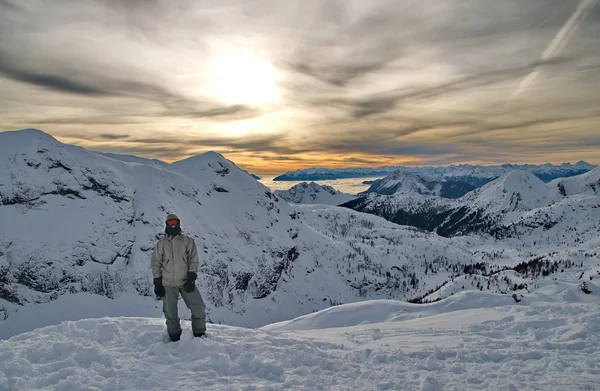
(243, 79)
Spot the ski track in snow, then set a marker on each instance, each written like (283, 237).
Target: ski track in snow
(519, 347)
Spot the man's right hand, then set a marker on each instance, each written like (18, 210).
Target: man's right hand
(159, 289)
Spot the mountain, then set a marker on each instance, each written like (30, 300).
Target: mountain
(510, 206)
(588, 183)
(313, 193)
(321, 174)
(473, 175)
(85, 223)
(515, 191)
(403, 182)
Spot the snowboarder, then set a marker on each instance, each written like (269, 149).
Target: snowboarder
(175, 269)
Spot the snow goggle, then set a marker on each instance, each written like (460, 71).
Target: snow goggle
(172, 223)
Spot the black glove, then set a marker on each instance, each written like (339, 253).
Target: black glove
(159, 289)
(190, 283)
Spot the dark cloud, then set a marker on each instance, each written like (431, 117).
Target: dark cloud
(115, 120)
(90, 84)
(112, 136)
(53, 82)
(353, 160)
(274, 143)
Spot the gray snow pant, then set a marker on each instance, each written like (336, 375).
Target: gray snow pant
(193, 300)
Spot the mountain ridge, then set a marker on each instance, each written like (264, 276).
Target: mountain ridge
(497, 208)
(313, 193)
(476, 175)
(82, 222)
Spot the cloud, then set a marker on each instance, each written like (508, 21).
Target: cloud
(94, 85)
(53, 82)
(385, 102)
(112, 136)
(360, 82)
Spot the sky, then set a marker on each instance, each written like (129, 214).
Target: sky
(282, 85)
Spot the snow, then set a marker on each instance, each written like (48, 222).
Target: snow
(319, 290)
(83, 222)
(515, 191)
(80, 306)
(472, 341)
(588, 183)
(401, 182)
(313, 193)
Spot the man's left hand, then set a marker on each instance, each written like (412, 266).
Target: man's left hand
(190, 283)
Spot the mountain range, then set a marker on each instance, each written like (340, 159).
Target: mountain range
(508, 206)
(474, 175)
(81, 222)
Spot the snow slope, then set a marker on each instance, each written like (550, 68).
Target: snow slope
(472, 341)
(515, 191)
(588, 183)
(313, 193)
(83, 222)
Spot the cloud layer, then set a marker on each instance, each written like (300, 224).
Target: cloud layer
(351, 82)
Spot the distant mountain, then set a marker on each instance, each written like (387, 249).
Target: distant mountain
(515, 203)
(312, 193)
(322, 174)
(455, 189)
(255, 176)
(472, 174)
(403, 182)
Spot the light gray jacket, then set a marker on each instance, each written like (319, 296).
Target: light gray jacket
(173, 258)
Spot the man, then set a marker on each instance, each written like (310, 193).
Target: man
(175, 269)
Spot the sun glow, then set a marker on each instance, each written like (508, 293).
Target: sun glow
(243, 79)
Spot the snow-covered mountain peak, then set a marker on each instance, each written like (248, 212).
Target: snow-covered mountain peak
(515, 191)
(588, 183)
(26, 140)
(211, 161)
(584, 164)
(215, 172)
(210, 157)
(519, 180)
(313, 193)
(401, 181)
(308, 187)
